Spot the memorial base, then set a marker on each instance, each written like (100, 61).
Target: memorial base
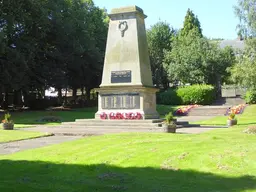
(126, 102)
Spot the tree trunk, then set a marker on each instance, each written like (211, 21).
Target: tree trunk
(6, 100)
(74, 94)
(17, 98)
(25, 98)
(88, 93)
(82, 91)
(1, 99)
(59, 96)
(65, 97)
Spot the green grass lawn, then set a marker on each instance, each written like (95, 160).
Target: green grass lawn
(30, 118)
(14, 135)
(246, 118)
(222, 160)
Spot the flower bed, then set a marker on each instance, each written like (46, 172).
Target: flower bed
(239, 109)
(121, 116)
(184, 110)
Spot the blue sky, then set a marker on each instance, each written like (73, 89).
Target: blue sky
(217, 17)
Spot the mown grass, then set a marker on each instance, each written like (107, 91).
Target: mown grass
(221, 160)
(29, 118)
(248, 117)
(14, 135)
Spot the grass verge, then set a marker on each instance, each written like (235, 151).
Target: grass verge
(221, 160)
(248, 117)
(16, 135)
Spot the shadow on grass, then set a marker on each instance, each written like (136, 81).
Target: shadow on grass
(208, 126)
(33, 176)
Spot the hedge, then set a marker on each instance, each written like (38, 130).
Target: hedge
(194, 94)
(250, 97)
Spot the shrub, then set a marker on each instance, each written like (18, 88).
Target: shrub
(250, 97)
(169, 118)
(194, 94)
(168, 97)
(197, 94)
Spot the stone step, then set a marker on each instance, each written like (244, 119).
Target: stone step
(118, 121)
(91, 127)
(114, 124)
(208, 111)
(230, 101)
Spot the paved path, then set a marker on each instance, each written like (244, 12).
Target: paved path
(85, 131)
(100, 131)
(13, 147)
(192, 119)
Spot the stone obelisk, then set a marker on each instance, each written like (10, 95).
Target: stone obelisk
(126, 85)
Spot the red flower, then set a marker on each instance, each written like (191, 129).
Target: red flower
(138, 115)
(112, 115)
(103, 115)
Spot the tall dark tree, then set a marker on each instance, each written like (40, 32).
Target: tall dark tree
(50, 43)
(191, 22)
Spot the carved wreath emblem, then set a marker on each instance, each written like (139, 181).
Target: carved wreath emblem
(123, 26)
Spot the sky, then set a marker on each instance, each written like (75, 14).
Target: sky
(217, 17)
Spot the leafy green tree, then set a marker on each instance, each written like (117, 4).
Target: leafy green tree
(191, 23)
(243, 72)
(23, 25)
(196, 60)
(50, 43)
(245, 11)
(159, 37)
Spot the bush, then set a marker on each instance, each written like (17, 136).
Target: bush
(194, 94)
(197, 94)
(168, 97)
(169, 118)
(250, 97)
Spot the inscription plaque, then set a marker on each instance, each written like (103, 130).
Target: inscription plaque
(120, 101)
(121, 76)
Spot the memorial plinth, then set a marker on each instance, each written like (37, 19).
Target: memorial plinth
(126, 85)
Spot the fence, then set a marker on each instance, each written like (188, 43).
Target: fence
(232, 91)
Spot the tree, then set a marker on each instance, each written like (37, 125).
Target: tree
(245, 11)
(159, 37)
(243, 72)
(50, 43)
(23, 26)
(196, 60)
(191, 23)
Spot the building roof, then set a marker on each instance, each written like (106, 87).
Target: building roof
(236, 43)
